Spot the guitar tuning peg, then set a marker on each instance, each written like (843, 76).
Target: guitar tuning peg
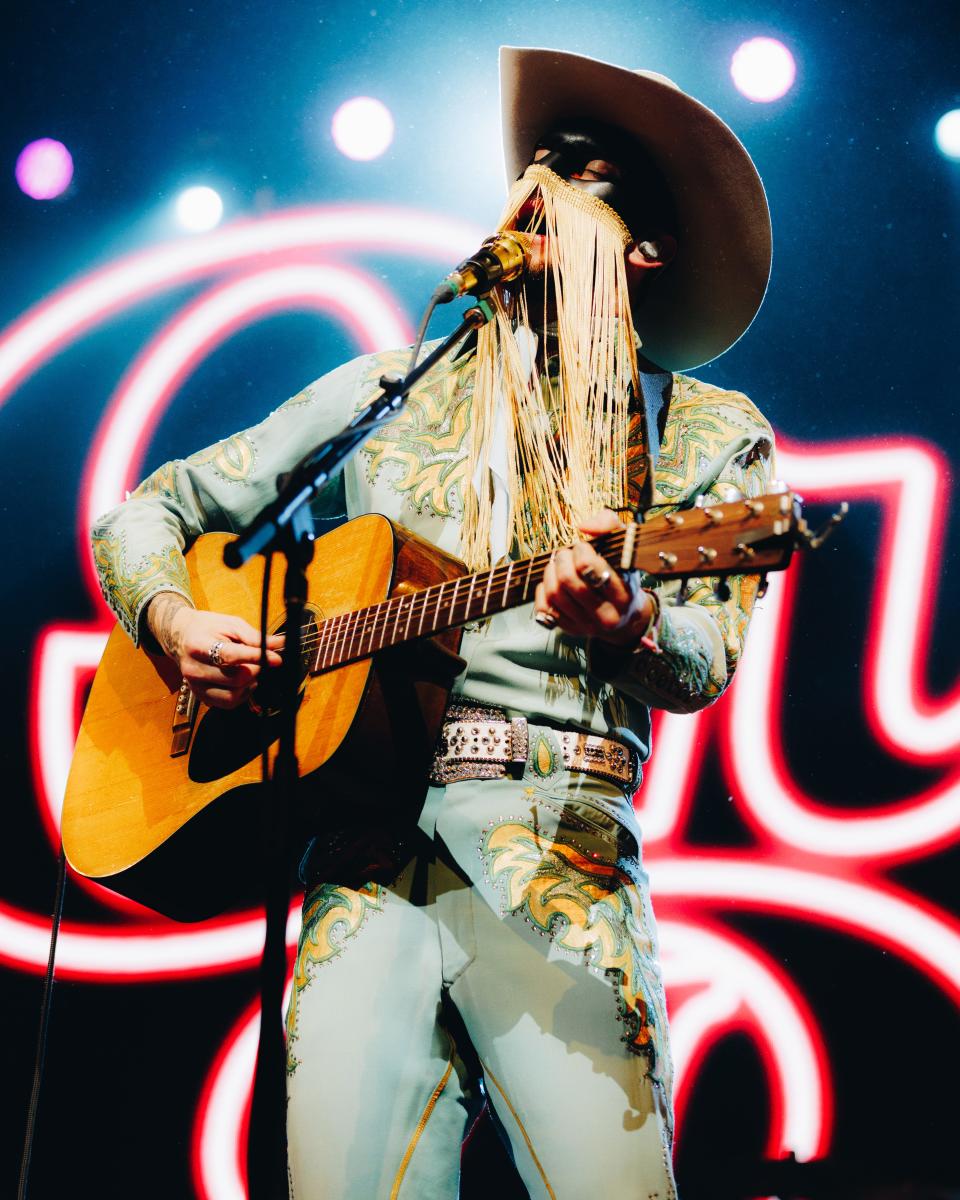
(722, 591)
(763, 586)
(730, 493)
(776, 486)
(816, 540)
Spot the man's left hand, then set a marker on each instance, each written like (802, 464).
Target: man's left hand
(584, 596)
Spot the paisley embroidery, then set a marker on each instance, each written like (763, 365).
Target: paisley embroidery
(232, 459)
(162, 483)
(426, 444)
(703, 420)
(592, 908)
(332, 915)
(128, 586)
(307, 396)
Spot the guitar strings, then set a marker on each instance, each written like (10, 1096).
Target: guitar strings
(375, 619)
(391, 609)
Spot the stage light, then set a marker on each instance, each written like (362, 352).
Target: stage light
(44, 169)
(947, 134)
(362, 128)
(199, 209)
(763, 69)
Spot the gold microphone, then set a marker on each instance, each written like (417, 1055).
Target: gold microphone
(500, 258)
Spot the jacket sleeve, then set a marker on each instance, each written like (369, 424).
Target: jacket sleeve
(714, 440)
(138, 546)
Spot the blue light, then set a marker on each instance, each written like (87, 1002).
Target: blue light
(947, 134)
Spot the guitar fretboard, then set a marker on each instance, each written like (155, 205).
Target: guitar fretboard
(749, 536)
(358, 634)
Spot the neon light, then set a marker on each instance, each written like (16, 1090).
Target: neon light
(365, 308)
(746, 990)
(889, 918)
(63, 658)
(812, 863)
(668, 781)
(53, 324)
(773, 801)
(913, 479)
(219, 1172)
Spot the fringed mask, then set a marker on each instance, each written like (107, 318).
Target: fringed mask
(567, 437)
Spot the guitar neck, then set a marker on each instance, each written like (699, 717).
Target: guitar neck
(433, 610)
(747, 536)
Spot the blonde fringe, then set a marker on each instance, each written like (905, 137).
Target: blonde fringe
(567, 442)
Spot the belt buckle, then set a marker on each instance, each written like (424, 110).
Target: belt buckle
(519, 745)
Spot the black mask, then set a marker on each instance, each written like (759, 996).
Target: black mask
(634, 189)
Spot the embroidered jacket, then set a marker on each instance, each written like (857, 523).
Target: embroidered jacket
(414, 471)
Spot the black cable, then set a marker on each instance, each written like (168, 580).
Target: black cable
(424, 322)
(264, 708)
(45, 1005)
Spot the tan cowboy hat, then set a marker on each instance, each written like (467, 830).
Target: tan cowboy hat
(707, 297)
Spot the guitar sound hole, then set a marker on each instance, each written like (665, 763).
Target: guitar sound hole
(227, 739)
(269, 691)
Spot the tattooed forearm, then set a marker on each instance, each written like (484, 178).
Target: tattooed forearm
(160, 614)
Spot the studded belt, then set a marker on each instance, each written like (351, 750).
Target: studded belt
(477, 742)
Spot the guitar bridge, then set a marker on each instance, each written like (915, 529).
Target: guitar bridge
(183, 721)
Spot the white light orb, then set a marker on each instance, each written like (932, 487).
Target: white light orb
(362, 128)
(947, 134)
(763, 69)
(199, 209)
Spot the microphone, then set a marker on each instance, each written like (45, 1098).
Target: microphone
(501, 257)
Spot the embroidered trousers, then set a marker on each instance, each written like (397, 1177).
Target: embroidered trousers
(514, 957)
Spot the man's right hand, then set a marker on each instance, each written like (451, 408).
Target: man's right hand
(195, 639)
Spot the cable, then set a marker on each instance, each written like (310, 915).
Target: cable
(424, 322)
(45, 1005)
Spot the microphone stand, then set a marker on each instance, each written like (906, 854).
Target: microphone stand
(284, 527)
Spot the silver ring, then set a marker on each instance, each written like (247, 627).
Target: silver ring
(598, 582)
(215, 656)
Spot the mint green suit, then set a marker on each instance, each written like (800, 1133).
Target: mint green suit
(514, 957)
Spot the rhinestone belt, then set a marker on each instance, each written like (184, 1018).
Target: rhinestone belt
(482, 743)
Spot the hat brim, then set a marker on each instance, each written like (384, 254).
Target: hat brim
(707, 297)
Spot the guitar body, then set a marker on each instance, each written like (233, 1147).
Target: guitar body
(164, 797)
(178, 831)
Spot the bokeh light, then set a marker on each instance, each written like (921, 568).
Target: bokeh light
(199, 209)
(362, 128)
(44, 169)
(763, 69)
(947, 134)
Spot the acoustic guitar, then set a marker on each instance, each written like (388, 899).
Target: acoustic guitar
(162, 798)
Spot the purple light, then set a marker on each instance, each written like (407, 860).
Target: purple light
(763, 69)
(44, 169)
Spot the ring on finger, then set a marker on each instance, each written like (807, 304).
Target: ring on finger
(595, 579)
(215, 656)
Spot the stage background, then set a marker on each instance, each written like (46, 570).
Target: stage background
(801, 835)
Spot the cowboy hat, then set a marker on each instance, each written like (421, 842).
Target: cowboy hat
(706, 298)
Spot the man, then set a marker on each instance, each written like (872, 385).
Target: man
(505, 946)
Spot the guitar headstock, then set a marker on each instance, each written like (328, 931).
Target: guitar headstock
(738, 537)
